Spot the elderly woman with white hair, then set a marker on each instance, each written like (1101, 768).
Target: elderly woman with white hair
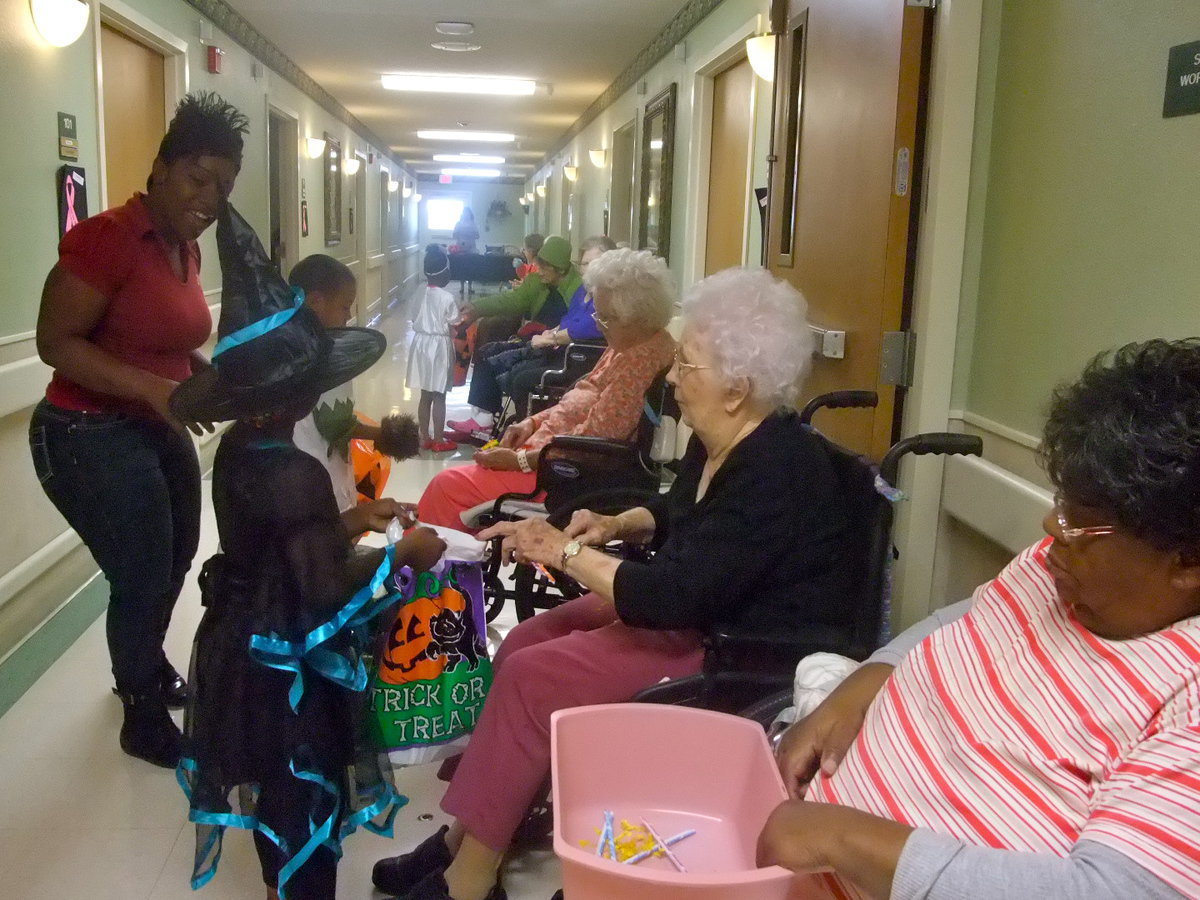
(751, 533)
(634, 298)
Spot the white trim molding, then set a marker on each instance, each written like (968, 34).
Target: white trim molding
(1004, 431)
(1001, 506)
(22, 384)
(37, 564)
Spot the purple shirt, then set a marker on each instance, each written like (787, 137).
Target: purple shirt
(578, 321)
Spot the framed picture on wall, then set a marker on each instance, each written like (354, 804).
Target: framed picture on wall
(658, 155)
(333, 190)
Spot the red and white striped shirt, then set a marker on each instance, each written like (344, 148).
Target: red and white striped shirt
(1016, 728)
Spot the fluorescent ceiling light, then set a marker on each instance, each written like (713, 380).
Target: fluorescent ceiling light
(459, 28)
(473, 173)
(456, 46)
(459, 84)
(498, 137)
(468, 158)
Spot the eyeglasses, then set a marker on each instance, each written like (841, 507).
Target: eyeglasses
(685, 367)
(600, 320)
(1070, 534)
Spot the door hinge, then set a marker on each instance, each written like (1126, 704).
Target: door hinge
(924, 4)
(897, 358)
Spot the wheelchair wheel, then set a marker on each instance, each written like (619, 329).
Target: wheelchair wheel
(493, 596)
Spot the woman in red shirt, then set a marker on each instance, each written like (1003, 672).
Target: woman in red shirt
(121, 321)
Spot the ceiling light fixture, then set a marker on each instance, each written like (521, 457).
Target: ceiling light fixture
(760, 50)
(458, 28)
(459, 84)
(59, 22)
(497, 137)
(472, 173)
(315, 147)
(456, 46)
(571, 173)
(468, 158)
(599, 157)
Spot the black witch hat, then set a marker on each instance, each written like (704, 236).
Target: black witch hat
(271, 346)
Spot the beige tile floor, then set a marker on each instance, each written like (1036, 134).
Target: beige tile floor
(78, 818)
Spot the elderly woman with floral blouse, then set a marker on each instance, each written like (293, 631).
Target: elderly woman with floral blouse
(634, 299)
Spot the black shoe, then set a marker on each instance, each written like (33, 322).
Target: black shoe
(172, 686)
(558, 895)
(433, 887)
(148, 731)
(400, 874)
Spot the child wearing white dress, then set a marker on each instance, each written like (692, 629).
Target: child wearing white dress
(431, 354)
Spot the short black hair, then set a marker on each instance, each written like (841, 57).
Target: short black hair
(1125, 439)
(204, 125)
(320, 273)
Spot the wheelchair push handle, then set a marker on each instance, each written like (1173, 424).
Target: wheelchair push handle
(839, 400)
(947, 443)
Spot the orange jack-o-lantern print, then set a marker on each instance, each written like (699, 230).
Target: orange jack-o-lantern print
(429, 635)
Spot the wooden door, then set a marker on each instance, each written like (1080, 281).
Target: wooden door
(729, 163)
(848, 109)
(134, 112)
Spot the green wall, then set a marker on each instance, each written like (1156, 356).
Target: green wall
(1085, 218)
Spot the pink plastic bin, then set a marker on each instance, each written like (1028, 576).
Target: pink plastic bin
(678, 768)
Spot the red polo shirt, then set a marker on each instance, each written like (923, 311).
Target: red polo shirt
(153, 320)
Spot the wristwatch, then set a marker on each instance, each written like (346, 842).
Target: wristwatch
(570, 551)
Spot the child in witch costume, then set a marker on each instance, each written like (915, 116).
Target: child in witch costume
(275, 718)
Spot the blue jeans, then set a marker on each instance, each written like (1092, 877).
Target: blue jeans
(131, 488)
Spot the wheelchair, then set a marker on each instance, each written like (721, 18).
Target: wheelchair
(578, 472)
(740, 669)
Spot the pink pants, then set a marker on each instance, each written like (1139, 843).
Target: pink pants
(459, 488)
(576, 654)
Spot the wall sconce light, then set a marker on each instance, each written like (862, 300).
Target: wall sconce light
(59, 22)
(571, 173)
(522, 200)
(350, 165)
(417, 197)
(599, 157)
(529, 197)
(407, 192)
(393, 185)
(315, 147)
(760, 50)
(541, 190)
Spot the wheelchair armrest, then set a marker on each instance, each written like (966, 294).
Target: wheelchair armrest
(677, 692)
(764, 711)
(812, 639)
(593, 446)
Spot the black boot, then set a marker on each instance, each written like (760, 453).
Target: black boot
(400, 874)
(172, 686)
(148, 731)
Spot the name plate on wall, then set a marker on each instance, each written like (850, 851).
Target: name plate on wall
(1183, 81)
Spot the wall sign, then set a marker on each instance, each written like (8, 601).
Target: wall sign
(72, 198)
(1183, 81)
(68, 139)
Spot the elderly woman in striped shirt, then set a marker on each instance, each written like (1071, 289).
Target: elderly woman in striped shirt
(1041, 739)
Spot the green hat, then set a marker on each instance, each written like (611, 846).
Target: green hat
(556, 251)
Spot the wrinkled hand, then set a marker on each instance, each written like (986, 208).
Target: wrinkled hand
(530, 540)
(421, 548)
(592, 528)
(819, 742)
(517, 434)
(499, 459)
(543, 340)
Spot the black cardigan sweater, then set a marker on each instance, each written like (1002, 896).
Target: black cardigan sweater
(762, 551)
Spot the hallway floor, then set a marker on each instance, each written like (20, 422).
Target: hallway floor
(79, 818)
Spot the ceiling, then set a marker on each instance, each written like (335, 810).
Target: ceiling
(577, 47)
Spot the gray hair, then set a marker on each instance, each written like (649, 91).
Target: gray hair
(637, 283)
(597, 242)
(756, 328)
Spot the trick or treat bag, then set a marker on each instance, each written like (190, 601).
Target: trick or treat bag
(432, 670)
